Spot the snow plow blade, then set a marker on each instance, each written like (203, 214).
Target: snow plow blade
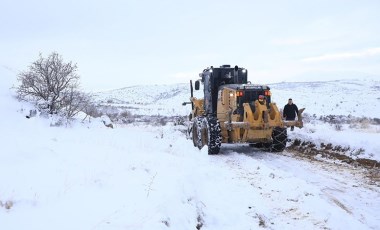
(298, 123)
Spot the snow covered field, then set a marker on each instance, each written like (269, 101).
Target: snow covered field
(139, 176)
(357, 101)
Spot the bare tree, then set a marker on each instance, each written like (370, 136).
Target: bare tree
(74, 101)
(49, 82)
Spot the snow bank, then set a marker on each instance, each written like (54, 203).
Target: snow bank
(88, 176)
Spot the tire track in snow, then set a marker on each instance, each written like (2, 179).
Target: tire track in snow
(311, 185)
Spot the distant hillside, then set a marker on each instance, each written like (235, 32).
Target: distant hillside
(163, 100)
(341, 97)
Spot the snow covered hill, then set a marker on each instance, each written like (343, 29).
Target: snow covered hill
(164, 100)
(142, 176)
(358, 98)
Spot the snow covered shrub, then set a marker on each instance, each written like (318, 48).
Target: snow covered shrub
(376, 121)
(311, 130)
(56, 121)
(109, 110)
(130, 119)
(357, 152)
(338, 127)
(179, 120)
(125, 114)
(127, 117)
(7, 205)
(161, 121)
(32, 113)
(75, 102)
(364, 123)
(92, 110)
(106, 121)
(113, 116)
(353, 126)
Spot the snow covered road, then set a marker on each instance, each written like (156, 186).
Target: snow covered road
(145, 177)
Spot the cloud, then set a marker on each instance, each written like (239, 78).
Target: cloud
(299, 41)
(344, 55)
(292, 41)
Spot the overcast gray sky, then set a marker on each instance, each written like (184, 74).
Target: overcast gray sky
(132, 42)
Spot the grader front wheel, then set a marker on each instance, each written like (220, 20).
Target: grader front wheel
(213, 134)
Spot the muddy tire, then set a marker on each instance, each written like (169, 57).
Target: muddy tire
(196, 132)
(279, 137)
(211, 135)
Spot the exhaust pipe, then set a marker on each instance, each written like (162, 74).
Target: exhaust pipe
(191, 94)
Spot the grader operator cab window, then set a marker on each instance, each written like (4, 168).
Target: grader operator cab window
(250, 93)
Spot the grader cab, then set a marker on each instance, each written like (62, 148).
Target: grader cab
(235, 111)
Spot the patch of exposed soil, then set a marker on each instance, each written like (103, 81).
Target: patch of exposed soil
(328, 151)
(307, 149)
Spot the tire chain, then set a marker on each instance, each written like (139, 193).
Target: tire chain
(279, 139)
(197, 127)
(214, 135)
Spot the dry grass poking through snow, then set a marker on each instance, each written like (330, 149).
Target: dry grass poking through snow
(328, 151)
(7, 205)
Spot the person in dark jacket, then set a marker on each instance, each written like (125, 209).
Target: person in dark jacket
(290, 112)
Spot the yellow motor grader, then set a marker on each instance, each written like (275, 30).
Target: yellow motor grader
(235, 111)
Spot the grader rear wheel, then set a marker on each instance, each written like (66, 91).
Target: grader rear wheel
(197, 132)
(206, 131)
(279, 137)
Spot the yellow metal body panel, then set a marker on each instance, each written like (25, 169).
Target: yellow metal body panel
(198, 106)
(248, 126)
